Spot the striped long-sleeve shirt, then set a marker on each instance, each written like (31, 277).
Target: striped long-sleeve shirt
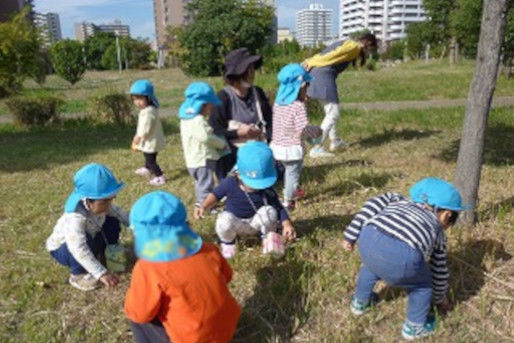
(412, 224)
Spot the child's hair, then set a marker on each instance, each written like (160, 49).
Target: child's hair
(148, 101)
(453, 218)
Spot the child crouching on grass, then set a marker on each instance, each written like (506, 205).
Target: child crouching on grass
(90, 222)
(202, 148)
(178, 289)
(396, 236)
(149, 137)
(290, 125)
(252, 205)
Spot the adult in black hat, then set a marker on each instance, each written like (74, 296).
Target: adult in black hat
(245, 113)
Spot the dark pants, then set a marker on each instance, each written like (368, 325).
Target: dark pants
(152, 332)
(225, 164)
(111, 230)
(151, 163)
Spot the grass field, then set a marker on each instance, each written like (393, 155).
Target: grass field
(413, 80)
(305, 297)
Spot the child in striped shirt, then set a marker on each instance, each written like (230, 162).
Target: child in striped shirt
(290, 125)
(402, 242)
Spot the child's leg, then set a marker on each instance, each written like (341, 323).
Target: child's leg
(365, 284)
(152, 332)
(329, 123)
(293, 171)
(228, 226)
(418, 283)
(265, 220)
(151, 163)
(204, 183)
(64, 257)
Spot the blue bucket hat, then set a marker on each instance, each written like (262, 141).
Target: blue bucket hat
(93, 181)
(438, 193)
(256, 165)
(291, 78)
(197, 94)
(144, 87)
(161, 233)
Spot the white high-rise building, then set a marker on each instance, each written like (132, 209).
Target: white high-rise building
(313, 25)
(50, 27)
(387, 19)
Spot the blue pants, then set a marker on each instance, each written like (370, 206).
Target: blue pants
(394, 261)
(111, 230)
(152, 332)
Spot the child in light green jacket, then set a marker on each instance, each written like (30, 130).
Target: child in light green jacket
(202, 148)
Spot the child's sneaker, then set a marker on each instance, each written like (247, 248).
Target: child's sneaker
(300, 193)
(358, 307)
(319, 152)
(412, 331)
(84, 282)
(158, 181)
(228, 250)
(143, 171)
(338, 144)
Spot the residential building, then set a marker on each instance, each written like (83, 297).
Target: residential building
(283, 34)
(387, 19)
(10, 7)
(313, 25)
(168, 13)
(85, 29)
(50, 27)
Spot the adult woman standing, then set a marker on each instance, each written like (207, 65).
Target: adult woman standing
(324, 68)
(245, 113)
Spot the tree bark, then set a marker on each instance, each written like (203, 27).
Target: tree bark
(470, 159)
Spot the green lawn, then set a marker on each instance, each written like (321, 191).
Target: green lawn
(413, 80)
(305, 297)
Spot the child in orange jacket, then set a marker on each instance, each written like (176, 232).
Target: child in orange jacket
(178, 290)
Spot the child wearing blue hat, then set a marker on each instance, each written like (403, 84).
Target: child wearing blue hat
(290, 125)
(178, 290)
(402, 242)
(252, 206)
(202, 148)
(149, 137)
(90, 222)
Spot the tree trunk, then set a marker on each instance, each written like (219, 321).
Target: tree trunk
(469, 161)
(453, 52)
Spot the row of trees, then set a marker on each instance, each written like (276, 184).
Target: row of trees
(453, 27)
(23, 56)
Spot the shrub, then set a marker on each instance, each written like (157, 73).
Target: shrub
(34, 111)
(68, 60)
(113, 107)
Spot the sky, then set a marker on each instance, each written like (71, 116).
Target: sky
(138, 14)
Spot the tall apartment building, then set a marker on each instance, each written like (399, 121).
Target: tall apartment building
(9, 7)
(50, 27)
(84, 29)
(171, 13)
(313, 25)
(387, 19)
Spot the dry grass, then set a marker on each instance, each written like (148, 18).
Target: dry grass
(303, 298)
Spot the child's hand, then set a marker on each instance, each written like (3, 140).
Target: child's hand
(199, 212)
(348, 246)
(288, 232)
(134, 147)
(109, 279)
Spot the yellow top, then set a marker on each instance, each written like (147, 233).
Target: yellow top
(348, 51)
(149, 128)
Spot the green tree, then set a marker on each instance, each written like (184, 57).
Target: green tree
(219, 26)
(19, 52)
(466, 25)
(68, 60)
(135, 53)
(95, 46)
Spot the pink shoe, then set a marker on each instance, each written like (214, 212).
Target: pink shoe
(300, 193)
(158, 181)
(228, 250)
(142, 171)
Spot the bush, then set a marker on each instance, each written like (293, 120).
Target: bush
(113, 107)
(68, 60)
(34, 111)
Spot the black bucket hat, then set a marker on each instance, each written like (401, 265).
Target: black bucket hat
(237, 61)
